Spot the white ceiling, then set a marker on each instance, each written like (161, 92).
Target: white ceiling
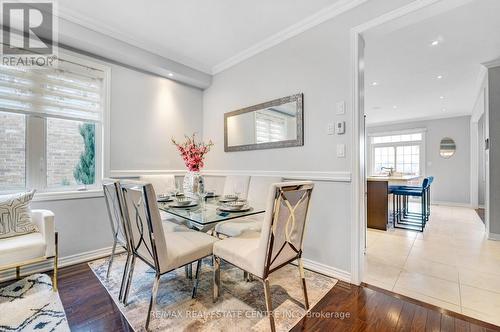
(199, 34)
(400, 58)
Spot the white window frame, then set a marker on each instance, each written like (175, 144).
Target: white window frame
(36, 173)
(421, 143)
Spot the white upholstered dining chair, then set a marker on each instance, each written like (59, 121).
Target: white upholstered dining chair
(114, 204)
(257, 193)
(236, 183)
(280, 242)
(151, 242)
(162, 183)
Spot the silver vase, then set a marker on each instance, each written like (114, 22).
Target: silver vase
(193, 184)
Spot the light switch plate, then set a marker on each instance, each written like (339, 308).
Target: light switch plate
(341, 108)
(340, 150)
(340, 127)
(330, 129)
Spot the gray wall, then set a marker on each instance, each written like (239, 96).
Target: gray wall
(452, 176)
(494, 155)
(82, 224)
(481, 162)
(317, 63)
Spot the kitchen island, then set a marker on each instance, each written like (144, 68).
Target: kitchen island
(377, 204)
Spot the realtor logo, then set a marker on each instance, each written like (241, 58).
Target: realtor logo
(29, 34)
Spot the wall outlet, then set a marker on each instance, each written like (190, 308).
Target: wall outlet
(340, 108)
(340, 150)
(330, 129)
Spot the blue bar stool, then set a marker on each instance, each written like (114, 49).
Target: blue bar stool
(405, 219)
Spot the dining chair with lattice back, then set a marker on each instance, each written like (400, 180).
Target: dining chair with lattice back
(279, 243)
(114, 204)
(154, 244)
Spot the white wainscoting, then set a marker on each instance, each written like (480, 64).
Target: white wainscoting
(288, 175)
(327, 247)
(327, 270)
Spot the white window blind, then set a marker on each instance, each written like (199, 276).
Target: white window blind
(269, 127)
(70, 91)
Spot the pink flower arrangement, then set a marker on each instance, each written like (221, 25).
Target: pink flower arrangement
(192, 152)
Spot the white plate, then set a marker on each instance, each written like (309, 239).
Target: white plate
(225, 199)
(232, 209)
(183, 206)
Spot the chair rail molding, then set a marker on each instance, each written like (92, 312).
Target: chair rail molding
(338, 176)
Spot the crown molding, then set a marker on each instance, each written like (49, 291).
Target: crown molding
(327, 13)
(492, 63)
(424, 118)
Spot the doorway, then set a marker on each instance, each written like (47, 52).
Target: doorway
(415, 130)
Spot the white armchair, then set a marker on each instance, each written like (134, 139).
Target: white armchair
(31, 248)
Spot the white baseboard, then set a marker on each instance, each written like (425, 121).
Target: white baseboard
(327, 270)
(63, 261)
(494, 236)
(454, 204)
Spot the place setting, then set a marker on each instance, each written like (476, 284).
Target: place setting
(228, 204)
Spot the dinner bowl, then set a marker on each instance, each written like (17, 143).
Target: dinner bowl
(183, 201)
(236, 204)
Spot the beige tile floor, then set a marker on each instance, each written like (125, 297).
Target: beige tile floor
(451, 264)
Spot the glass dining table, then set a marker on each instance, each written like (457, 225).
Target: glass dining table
(204, 217)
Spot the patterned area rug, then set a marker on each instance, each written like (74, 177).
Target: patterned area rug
(31, 305)
(241, 306)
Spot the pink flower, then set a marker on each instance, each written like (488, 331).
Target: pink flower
(193, 153)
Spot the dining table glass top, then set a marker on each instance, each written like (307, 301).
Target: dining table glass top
(203, 215)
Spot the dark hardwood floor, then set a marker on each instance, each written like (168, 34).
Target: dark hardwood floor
(374, 309)
(345, 308)
(87, 304)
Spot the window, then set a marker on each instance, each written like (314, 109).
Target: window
(403, 153)
(51, 125)
(270, 126)
(13, 151)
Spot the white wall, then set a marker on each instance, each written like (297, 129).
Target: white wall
(317, 63)
(146, 112)
(452, 176)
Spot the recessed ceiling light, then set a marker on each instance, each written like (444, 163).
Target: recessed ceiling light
(394, 107)
(441, 97)
(170, 75)
(374, 83)
(437, 41)
(439, 77)
(443, 109)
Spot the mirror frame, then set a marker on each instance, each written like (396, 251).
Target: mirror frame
(299, 141)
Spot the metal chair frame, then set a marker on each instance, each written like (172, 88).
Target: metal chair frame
(135, 245)
(279, 196)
